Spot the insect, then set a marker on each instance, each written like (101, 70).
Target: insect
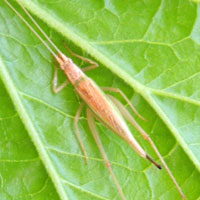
(104, 108)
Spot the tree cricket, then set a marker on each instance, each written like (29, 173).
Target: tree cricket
(104, 108)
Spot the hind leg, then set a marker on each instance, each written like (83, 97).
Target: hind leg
(125, 98)
(128, 117)
(92, 126)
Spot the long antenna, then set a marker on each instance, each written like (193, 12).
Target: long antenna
(30, 27)
(38, 26)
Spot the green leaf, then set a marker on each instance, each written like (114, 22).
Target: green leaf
(150, 50)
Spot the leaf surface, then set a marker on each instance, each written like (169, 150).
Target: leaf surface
(150, 50)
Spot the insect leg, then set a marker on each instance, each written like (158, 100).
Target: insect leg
(57, 89)
(125, 98)
(93, 128)
(85, 69)
(77, 131)
(128, 117)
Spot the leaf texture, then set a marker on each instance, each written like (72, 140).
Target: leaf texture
(148, 49)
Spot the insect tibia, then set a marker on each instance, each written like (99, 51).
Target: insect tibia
(150, 159)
